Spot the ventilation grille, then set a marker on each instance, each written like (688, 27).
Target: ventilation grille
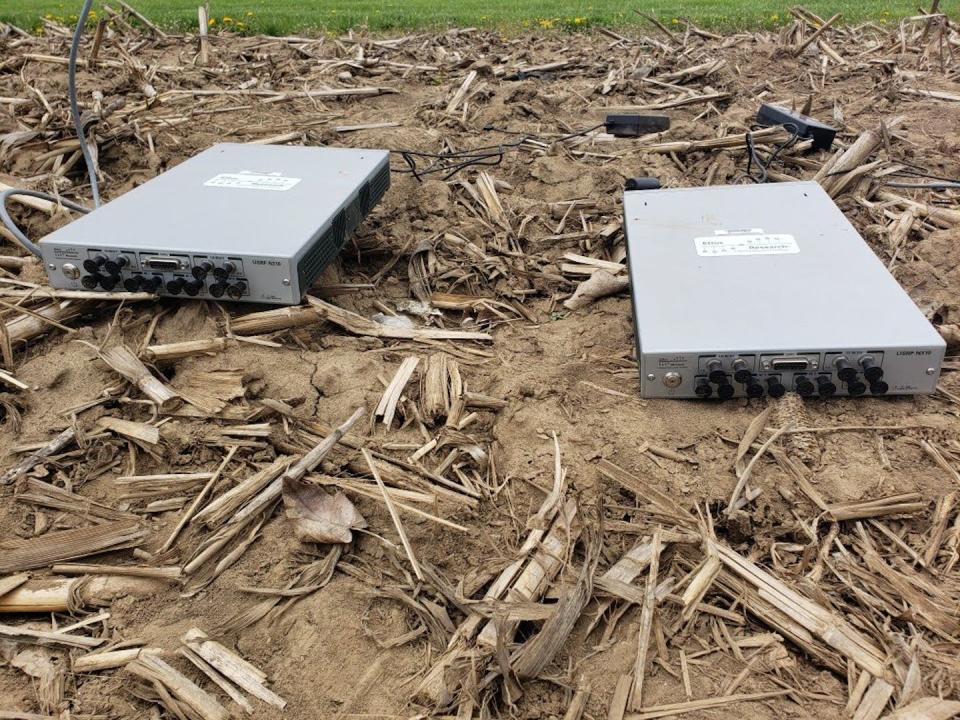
(377, 187)
(326, 247)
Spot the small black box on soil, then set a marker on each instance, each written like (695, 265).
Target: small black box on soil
(806, 126)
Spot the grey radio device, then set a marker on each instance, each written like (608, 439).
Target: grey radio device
(753, 290)
(256, 223)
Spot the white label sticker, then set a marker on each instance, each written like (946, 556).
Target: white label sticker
(753, 243)
(252, 181)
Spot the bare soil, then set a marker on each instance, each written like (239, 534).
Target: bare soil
(569, 373)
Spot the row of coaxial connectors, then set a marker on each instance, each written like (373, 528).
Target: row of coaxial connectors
(805, 385)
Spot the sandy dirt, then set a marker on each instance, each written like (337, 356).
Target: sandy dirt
(569, 373)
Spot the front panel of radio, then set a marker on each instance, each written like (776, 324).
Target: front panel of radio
(214, 277)
(852, 372)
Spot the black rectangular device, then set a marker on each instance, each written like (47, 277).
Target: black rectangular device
(806, 126)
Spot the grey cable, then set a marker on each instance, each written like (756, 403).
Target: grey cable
(78, 127)
(12, 226)
(74, 105)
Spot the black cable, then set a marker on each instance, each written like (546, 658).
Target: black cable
(505, 131)
(753, 157)
(948, 185)
(914, 171)
(453, 162)
(783, 146)
(579, 133)
(925, 175)
(920, 171)
(528, 136)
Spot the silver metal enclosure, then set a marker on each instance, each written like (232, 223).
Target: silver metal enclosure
(265, 219)
(776, 277)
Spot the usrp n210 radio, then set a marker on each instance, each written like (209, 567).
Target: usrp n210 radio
(754, 290)
(256, 223)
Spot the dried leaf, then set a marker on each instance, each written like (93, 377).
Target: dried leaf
(598, 285)
(318, 515)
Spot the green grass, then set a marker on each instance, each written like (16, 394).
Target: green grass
(288, 16)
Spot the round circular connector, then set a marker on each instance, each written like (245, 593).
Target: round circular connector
(804, 387)
(844, 370)
(871, 371)
(715, 371)
(132, 284)
(879, 388)
(856, 388)
(222, 273)
(672, 379)
(702, 389)
(826, 387)
(725, 390)
(775, 388)
(754, 389)
(741, 372)
(201, 270)
(109, 282)
(114, 266)
(90, 281)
